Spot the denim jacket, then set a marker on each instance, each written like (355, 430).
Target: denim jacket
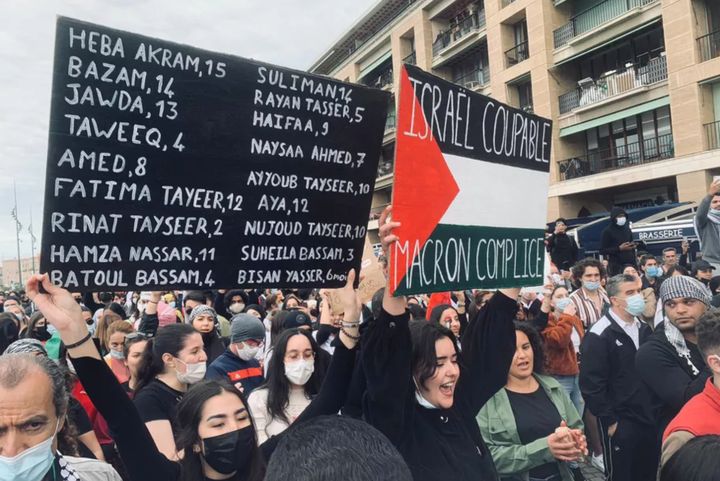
(514, 460)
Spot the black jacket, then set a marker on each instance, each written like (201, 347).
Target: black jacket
(438, 444)
(563, 251)
(610, 384)
(668, 377)
(612, 237)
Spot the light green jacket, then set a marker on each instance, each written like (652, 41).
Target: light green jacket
(513, 459)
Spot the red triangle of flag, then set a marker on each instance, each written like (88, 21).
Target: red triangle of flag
(424, 187)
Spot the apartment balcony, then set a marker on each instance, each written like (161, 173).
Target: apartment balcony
(377, 210)
(519, 53)
(411, 59)
(712, 135)
(475, 80)
(382, 80)
(454, 40)
(390, 126)
(386, 168)
(594, 17)
(620, 157)
(614, 84)
(602, 24)
(709, 46)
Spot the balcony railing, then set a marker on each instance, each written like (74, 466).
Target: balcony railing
(626, 155)
(380, 81)
(476, 78)
(709, 46)
(470, 24)
(593, 17)
(411, 59)
(614, 83)
(712, 133)
(517, 54)
(376, 211)
(391, 120)
(385, 167)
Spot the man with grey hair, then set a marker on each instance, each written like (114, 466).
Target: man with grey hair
(33, 407)
(612, 388)
(670, 364)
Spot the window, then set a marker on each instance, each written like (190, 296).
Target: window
(525, 96)
(520, 51)
(631, 140)
(637, 50)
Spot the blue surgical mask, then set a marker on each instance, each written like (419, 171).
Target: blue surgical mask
(30, 465)
(635, 304)
(561, 304)
(119, 355)
(653, 271)
(591, 285)
(715, 212)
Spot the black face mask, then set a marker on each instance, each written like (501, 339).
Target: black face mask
(230, 452)
(42, 334)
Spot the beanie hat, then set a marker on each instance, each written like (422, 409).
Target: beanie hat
(201, 310)
(246, 326)
(684, 286)
(296, 318)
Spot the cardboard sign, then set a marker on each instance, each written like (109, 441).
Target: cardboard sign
(373, 278)
(174, 167)
(471, 184)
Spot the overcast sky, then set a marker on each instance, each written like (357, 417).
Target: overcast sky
(293, 33)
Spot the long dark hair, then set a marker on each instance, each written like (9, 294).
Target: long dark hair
(437, 313)
(189, 412)
(169, 339)
(698, 460)
(278, 385)
(537, 344)
(9, 331)
(424, 357)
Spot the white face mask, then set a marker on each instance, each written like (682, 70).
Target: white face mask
(247, 352)
(236, 308)
(621, 221)
(194, 372)
(421, 399)
(299, 372)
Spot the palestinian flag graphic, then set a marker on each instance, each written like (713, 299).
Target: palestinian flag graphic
(471, 184)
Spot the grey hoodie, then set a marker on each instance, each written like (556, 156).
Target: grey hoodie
(708, 232)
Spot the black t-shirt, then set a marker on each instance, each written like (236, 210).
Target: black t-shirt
(536, 417)
(157, 401)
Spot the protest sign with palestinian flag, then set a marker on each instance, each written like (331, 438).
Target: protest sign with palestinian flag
(471, 185)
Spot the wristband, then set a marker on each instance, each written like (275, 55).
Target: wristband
(350, 325)
(79, 343)
(354, 338)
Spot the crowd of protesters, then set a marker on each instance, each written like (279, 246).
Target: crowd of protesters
(612, 364)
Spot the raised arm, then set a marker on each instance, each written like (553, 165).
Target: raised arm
(488, 349)
(385, 354)
(137, 449)
(335, 386)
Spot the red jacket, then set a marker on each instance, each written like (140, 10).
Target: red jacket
(100, 426)
(560, 356)
(700, 416)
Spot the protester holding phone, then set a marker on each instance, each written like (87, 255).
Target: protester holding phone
(707, 224)
(617, 242)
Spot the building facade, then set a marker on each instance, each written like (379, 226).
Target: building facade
(10, 273)
(632, 86)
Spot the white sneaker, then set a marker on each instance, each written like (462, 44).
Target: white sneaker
(598, 462)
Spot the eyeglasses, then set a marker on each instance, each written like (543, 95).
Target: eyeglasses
(136, 336)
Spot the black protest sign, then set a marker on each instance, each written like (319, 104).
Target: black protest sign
(175, 167)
